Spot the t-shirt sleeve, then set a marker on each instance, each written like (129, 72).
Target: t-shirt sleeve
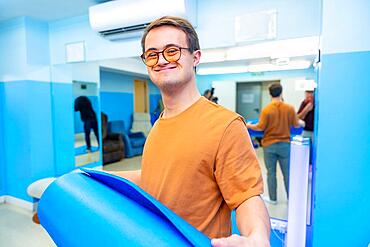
(237, 169)
(262, 122)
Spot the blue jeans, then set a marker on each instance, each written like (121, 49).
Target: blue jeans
(279, 151)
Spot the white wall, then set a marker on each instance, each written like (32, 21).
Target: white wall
(226, 93)
(225, 85)
(354, 21)
(294, 19)
(215, 27)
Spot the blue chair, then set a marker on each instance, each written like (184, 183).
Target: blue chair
(134, 142)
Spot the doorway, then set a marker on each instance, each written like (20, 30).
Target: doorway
(252, 97)
(248, 99)
(141, 94)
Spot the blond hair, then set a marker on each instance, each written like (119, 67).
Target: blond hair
(178, 22)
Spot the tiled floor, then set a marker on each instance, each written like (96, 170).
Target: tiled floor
(17, 228)
(280, 210)
(125, 165)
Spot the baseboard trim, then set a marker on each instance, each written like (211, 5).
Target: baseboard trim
(18, 202)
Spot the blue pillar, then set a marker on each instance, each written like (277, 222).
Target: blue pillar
(342, 195)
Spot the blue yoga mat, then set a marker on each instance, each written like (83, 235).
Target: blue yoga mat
(99, 209)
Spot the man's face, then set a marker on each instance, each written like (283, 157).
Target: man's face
(309, 97)
(168, 75)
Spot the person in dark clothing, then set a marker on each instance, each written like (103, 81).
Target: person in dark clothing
(88, 117)
(306, 112)
(208, 94)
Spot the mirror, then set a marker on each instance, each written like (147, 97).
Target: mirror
(86, 124)
(248, 94)
(76, 104)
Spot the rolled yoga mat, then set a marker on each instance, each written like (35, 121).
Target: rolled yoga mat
(99, 209)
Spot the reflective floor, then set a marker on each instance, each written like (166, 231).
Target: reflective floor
(280, 210)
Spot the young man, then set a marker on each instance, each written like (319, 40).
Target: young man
(198, 159)
(276, 120)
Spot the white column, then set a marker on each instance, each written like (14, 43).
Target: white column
(298, 189)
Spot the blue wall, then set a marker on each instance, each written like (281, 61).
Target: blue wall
(2, 148)
(25, 105)
(12, 34)
(37, 41)
(342, 196)
(24, 49)
(62, 105)
(341, 216)
(118, 106)
(117, 99)
(38, 133)
(28, 135)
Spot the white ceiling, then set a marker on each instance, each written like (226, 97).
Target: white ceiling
(45, 10)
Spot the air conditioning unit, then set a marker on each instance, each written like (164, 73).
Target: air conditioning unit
(123, 19)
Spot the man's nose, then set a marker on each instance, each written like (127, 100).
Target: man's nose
(161, 59)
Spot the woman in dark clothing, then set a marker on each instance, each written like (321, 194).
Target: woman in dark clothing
(88, 117)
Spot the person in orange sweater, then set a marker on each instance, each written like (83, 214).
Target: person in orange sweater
(276, 120)
(198, 159)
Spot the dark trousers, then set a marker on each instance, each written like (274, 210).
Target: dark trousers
(88, 125)
(272, 154)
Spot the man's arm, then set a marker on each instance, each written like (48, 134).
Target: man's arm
(133, 176)
(262, 122)
(254, 221)
(302, 114)
(253, 224)
(253, 127)
(297, 122)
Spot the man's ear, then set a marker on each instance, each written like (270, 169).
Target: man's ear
(197, 54)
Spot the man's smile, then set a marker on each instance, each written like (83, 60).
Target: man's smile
(165, 68)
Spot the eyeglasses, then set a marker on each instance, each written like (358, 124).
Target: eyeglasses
(171, 54)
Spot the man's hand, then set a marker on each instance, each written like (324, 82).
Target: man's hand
(237, 241)
(308, 107)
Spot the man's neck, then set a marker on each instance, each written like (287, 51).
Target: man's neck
(179, 100)
(276, 99)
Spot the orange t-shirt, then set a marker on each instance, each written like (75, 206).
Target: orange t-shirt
(201, 164)
(275, 120)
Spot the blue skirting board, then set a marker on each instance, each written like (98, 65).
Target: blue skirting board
(95, 208)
